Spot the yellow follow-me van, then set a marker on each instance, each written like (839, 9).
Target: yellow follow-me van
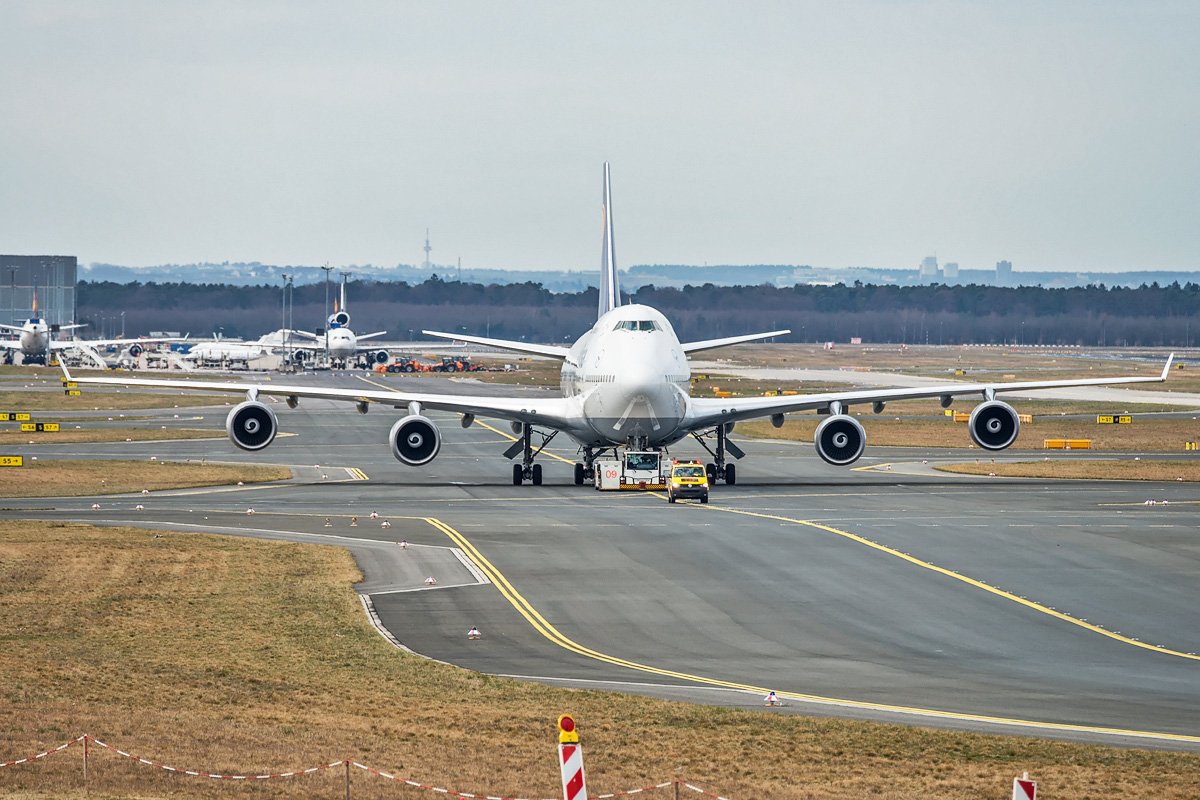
(687, 479)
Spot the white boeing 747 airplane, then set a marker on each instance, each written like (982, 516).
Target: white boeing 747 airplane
(625, 383)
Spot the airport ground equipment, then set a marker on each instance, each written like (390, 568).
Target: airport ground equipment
(637, 470)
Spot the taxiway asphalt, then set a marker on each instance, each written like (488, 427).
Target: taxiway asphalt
(1055, 608)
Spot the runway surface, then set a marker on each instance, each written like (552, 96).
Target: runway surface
(1060, 609)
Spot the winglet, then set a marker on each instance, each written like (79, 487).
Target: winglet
(1167, 368)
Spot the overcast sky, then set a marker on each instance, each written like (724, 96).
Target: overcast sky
(1058, 135)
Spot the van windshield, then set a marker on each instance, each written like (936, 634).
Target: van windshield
(689, 472)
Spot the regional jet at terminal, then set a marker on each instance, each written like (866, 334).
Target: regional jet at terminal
(625, 383)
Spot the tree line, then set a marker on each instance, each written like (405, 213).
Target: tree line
(1150, 315)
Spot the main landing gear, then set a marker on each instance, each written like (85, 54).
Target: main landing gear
(527, 470)
(717, 469)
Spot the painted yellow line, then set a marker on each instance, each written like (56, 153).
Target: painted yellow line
(551, 633)
(963, 578)
(869, 467)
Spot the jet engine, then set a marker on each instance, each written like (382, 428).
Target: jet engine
(135, 350)
(840, 440)
(251, 425)
(415, 440)
(300, 356)
(994, 425)
(380, 356)
(339, 320)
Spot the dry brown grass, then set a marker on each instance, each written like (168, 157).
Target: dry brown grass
(1144, 435)
(70, 435)
(104, 400)
(1107, 470)
(240, 656)
(90, 477)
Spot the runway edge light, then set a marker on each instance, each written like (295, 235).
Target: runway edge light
(570, 760)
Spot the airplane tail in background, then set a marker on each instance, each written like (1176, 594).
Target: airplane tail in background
(610, 290)
(35, 297)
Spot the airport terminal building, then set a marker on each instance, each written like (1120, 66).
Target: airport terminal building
(55, 277)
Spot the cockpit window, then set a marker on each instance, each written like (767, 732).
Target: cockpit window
(637, 325)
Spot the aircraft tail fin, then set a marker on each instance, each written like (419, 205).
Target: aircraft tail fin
(35, 310)
(610, 289)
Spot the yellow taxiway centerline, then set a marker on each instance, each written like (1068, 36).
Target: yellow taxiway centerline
(969, 581)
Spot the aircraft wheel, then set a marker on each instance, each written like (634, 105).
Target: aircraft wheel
(730, 474)
(711, 471)
(537, 474)
(517, 476)
(578, 474)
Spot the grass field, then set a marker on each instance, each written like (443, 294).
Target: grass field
(69, 435)
(247, 657)
(1104, 470)
(71, 478)
(1144, 435)
(105, 400)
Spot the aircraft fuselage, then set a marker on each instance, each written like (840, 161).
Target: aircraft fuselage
(632, 379)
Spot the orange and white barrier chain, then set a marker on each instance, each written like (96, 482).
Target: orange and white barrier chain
(213, 775)
(295, 773)
(58, 749)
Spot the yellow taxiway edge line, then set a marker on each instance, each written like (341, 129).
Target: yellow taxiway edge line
(551, 633)
(969, 581)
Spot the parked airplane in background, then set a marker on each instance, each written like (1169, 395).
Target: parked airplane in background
(625, 383)
(35, 340)
(226, 350)
(340, 343)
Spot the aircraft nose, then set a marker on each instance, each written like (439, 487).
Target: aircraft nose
(639, 380)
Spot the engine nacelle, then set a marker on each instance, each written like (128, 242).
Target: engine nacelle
(251, 425)
(994, 425)
(300, 356)
(380, 356)
(415, 440)
(134, 350)
(339, 320)
(840, 440)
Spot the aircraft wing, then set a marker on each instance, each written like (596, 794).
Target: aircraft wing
(549, 412)
(361, 336)
(712, 344)
(13, 328)
(549, 350)
(705, 412)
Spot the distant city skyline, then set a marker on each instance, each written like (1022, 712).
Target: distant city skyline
(869, 133)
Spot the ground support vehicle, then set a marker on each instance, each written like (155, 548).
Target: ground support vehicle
(687, 479)
(635, 469)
